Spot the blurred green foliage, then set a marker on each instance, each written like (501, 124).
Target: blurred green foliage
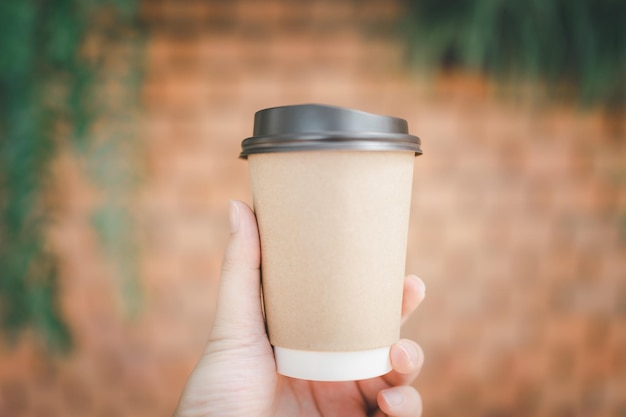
(577, 45)
(46, 87)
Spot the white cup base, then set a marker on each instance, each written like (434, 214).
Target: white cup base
(332, 366)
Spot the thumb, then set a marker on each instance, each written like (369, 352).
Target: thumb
(239, 314)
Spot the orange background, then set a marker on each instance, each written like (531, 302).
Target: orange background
(518, 220)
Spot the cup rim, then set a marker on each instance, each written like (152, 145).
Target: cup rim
(306, 127)
(316, 141)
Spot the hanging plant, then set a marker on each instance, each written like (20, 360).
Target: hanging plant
(46, 82)
(578, 44)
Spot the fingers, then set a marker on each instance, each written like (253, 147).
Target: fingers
(406, 360)
(413, 294)
(239, 301)
(406, 356)
(403, 401)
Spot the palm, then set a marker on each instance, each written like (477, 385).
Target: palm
(322, 399)
(227, 383)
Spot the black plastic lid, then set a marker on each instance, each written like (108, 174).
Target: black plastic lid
(308, 127)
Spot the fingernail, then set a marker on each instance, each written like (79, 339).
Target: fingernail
(233, 216)
(410, 352)
(393, 397)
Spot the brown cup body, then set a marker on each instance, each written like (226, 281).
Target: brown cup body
(333, 226)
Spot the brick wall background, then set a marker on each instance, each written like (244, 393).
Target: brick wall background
(518, 220)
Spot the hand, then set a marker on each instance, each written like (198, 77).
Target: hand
(236, 375)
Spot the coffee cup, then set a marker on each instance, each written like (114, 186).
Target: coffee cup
(332, 193)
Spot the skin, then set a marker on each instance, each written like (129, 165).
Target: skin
(236, 375)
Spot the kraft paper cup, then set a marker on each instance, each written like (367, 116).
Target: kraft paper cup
(331, 191)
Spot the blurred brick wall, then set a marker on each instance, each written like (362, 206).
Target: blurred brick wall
(518, 220)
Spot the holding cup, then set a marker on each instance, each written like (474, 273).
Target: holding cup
(331, 191)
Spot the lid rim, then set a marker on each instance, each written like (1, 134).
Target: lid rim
(332, 135)
(323, 127)
(322, 141)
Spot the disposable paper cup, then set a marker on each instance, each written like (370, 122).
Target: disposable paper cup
(331, 190)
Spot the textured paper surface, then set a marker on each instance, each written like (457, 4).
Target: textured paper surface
(333, 228)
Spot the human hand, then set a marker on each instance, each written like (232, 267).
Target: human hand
(236, 375)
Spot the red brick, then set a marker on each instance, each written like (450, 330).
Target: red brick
(516, 219)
